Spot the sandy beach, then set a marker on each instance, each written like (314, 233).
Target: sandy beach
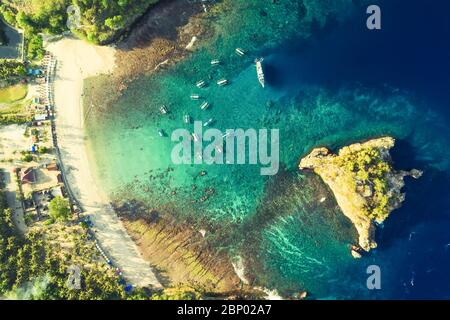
(77, 60)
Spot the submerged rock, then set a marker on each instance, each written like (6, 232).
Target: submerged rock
(366, 187)
(356, 252)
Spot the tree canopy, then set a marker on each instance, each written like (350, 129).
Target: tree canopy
(100, 22)
(31, 260)
(59, 209)
(11, 69)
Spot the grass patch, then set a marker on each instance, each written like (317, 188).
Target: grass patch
(15, 113)
(13, 93)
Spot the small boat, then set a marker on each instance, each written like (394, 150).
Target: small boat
(195, 137)
(204, 105)
(207, 123)
(222, 82)
(163, 109)
(215, 62)
(200, 84)
(259, 71)
(161, 133)
(240, 52)
(195, 96)
(219, 149)
(226, 135)
(187, 119)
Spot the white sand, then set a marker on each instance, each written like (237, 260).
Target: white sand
(77, 60)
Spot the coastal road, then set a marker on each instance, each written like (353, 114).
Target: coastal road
(77, 60)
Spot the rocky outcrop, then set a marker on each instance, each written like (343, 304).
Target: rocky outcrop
(362, 179)
(183, 257)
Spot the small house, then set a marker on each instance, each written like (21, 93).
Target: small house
(28, 176)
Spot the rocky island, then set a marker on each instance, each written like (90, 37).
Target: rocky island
(366, 186)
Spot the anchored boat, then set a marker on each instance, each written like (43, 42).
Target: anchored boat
(204, 105)
(240, 52)
(222, 82)
(215, 62)
(209, 122)
(201, 83)
(260, 71)
(195, 96)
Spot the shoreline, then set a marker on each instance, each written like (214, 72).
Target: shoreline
(76, 61)
(158, 41)
(153, 50)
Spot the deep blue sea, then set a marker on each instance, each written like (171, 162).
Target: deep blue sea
(411, 53)
(333, 84)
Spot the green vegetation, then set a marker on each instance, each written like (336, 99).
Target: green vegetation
(35, 47)
(101, 20)
(177, 293)
(14, 113)
(13, 93)
(10, 70)
(43, 149)
(370, 170)
(59, 209)
(27, 157)
(32, 263)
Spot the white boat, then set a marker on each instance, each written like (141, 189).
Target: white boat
(195, 137)
(259, 71)
(227, 134)
(240, 52)
(207, 123)
(215, 62)
(201, 83)
(163, 109)
(222, 82)
(161, 133)
(187, 119)
(195, 96)
(204, 105)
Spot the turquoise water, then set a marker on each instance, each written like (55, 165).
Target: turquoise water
(321, 91)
